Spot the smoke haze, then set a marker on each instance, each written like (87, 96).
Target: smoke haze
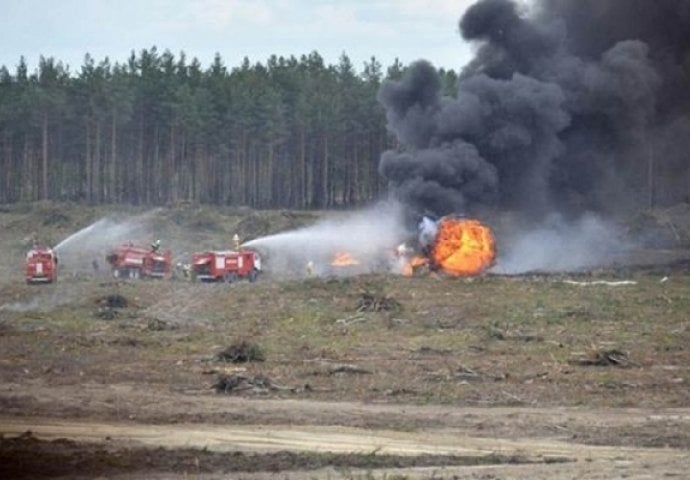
(41, 302)
(369, 236)
(558, 245)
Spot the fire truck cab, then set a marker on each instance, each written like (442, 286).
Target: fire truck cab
(41, 265)
(129, 261)
(227, 266)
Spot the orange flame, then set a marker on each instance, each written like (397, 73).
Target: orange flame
(463, 247)
(344, 259)
(411, 264)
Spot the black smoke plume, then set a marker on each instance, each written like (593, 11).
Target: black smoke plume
(570, 105)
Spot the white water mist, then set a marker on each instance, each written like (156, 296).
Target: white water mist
(88, 247)
(370, 236)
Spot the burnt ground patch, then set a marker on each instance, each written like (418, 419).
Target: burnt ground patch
(372, 302)
(241, 352)
(114, 300)
(653, 434)
(29, 457)
(109, 306)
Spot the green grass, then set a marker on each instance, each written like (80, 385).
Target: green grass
(518, 333)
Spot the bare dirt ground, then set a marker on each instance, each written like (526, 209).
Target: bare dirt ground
(496, 377)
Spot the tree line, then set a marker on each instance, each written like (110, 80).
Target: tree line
(159, 129)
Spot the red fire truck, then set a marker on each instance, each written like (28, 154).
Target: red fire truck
(41, 265)
(129, 261)
(227, 266)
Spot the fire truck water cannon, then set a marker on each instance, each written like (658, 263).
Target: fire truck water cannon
(129, 261)
(41, 265)
(226, 266)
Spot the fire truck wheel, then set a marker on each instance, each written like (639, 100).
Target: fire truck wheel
(230, 277)
(116, 273)
(253, 274)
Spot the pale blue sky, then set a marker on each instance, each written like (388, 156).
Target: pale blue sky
(67, 29)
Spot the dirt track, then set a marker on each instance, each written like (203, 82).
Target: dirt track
(553, 458)
(544, 439)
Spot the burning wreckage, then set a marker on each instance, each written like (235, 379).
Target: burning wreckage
(458, 246)
(454, 245)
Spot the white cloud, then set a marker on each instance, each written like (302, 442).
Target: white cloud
(441, 9)
(225, 13)
(342, 14)
(386, 29)
(345, 21)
